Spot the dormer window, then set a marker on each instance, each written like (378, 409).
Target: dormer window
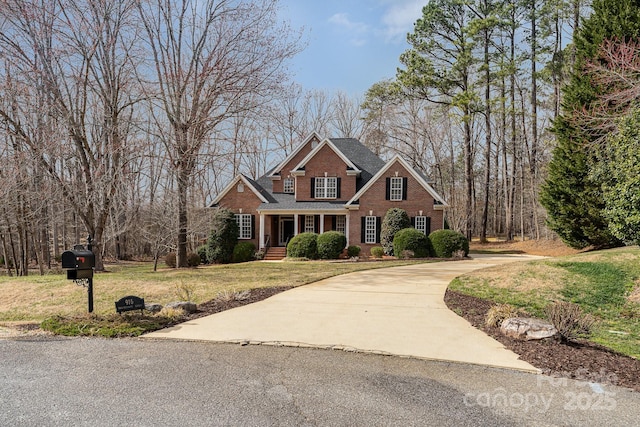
(288, 185)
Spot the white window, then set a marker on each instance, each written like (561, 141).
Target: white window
(288, 185)
(421, 224)
(309, 224)
(326, 188)
(341, 224)
(244, 226)
(396, 188)
(370, 229)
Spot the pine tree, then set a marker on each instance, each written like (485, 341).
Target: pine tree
(572, 197)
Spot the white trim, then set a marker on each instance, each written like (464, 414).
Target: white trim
(262, 242)
(273, 175)
(411, 171)
(354, 169)
(232, 184)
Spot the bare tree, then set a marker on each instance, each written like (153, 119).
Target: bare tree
(210, 61)
(70, 61)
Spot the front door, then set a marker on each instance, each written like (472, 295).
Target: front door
(286, 230)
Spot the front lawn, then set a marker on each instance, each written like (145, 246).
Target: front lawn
(35, 298)
(604, 283)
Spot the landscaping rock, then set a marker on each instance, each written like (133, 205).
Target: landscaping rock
(527, 328)
(187, 306)
(153, 307)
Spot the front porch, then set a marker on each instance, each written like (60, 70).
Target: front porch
(277, 229)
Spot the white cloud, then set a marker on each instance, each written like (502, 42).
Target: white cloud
(399, 18)
(357, 30)
(342, 20)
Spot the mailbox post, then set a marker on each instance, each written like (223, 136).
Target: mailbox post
(79, 263)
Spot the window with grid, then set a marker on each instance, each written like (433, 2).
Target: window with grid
(341, 224)
(396, 188)
(244, 226)
(288, 185)
(421, 224)
(309, 224)
(370, 229)
(326, 187)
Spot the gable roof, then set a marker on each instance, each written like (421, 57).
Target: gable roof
(275, 171)
(326, 143)
(417, 176)
(257, 189)
(364, 159)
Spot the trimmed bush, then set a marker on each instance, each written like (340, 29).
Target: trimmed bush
(377, 252)
(223, 237)
(446, 243)
(353, 251)
(330, 244)
(394, 220)
(244, 251)
(410, 239)
(193, 259)
(304, 245)
(170, 259)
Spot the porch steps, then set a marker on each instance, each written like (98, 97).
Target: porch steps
(275, 253)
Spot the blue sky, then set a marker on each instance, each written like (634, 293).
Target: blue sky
(352, 44)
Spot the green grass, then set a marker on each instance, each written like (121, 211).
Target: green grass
(35, 298)
(600, 282)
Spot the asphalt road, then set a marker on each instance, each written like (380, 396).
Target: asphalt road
(97, 382)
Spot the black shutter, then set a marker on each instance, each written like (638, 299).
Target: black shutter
(378, 227)
(405, 181)
(333, 222)
(363, 229)
(428, 225)
(338, 188)
(313, 188)
(387, 195)
(413, 221)
(316, 223)
(253, 226)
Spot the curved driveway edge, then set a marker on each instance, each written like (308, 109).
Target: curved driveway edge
(397, 311)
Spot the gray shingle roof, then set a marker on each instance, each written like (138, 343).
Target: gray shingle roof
(368, 163)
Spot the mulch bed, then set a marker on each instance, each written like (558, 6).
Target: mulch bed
(217, 305)
(583, 361)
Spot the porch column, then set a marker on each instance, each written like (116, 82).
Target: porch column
(262, 231)
(321, 223)
(346, 227)
(295, 224)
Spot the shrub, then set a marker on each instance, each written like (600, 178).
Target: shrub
(499, 313)
(244, 251)
(304, 245)
(569, 320)
(193, 259)
(410, 239)
(330, 244)
(223, 237)
(394, 220)
(353, 251)
(170, 259)
(377, 252)
(446, 243)
(202, 252)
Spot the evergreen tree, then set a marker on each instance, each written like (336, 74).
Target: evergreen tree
(572, 197)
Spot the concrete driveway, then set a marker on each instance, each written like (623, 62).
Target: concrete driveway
(396, 311)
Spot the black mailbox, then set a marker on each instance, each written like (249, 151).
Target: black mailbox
(79, 263)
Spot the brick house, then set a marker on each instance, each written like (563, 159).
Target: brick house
(330, 184)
